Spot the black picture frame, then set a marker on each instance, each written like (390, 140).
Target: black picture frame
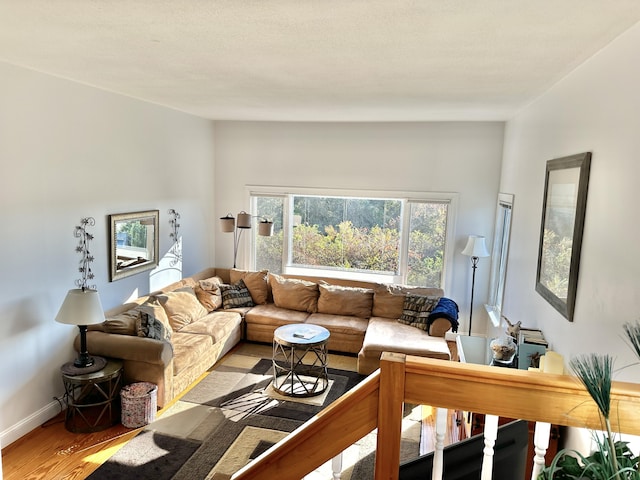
(563, 213)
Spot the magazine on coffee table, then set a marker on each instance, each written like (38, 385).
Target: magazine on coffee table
(306, 333)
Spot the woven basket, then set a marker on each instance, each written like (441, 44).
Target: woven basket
(139, 404)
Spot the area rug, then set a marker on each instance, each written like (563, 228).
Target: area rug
(231, 417)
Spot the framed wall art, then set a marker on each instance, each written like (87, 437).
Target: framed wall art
(563, 213)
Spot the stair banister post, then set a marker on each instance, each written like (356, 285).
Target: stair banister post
(390, 406)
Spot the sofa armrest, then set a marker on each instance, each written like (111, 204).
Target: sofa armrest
(439, 327)
(127, 347)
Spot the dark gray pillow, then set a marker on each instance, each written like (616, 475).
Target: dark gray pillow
(236, 295)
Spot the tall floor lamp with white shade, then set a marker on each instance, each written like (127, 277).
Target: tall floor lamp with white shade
(475, 248)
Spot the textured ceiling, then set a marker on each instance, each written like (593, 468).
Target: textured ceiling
(395, 60)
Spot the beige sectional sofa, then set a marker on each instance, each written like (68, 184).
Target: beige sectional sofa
(173, 336)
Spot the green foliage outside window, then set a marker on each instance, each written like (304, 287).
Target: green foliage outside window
(356, 234)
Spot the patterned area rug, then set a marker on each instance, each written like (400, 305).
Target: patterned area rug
(231, 417)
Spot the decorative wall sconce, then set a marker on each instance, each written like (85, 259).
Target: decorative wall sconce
(229, 224)
(173, 223)
(475, 249)
(82, 306)
(175, 252)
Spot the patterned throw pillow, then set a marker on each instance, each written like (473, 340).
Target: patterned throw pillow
(150, 327)
(152, 321)
(236, 295)
(416, 309)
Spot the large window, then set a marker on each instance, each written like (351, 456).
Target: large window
(385, 239)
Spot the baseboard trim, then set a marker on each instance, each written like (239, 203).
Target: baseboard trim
(33, 421)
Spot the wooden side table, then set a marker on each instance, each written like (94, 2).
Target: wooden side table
(92, 398)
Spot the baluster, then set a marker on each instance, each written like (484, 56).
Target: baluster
(336, 466)
(540, 443)
(438, 455)
(490, 435)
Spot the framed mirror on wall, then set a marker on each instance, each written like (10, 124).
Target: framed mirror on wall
(499, 253)
(134, 239)
(563, 213)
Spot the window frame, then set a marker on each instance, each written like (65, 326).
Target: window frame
(450, 198)
(499, 257)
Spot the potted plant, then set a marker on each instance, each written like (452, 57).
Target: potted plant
(612, 460)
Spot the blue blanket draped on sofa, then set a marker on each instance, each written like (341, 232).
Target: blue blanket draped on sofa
(446, 308)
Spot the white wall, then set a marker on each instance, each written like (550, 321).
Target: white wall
(430, 157)
(597, 109)
(69, 151)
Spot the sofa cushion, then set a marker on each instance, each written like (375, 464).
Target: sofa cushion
(256, 282)
(387, 335)
(188, 349)
(208, 293)
(388, 299)
(182, 307)
(350, 301)
(416, 310)
(294, 294)
(236, 295)
(336, 324)
(127, 322)
(218, 325)
(122, 324)
(269, 314)
(152, 321)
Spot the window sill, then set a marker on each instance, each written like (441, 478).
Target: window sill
(494, 314)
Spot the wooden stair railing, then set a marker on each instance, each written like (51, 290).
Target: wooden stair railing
(377, 402)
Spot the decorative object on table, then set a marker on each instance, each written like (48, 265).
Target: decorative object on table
(134, 245)
(563, 212)
(228, 224)
(475, 249)
(513, 329)
(82, 306)
(503, 350)
(529, 355)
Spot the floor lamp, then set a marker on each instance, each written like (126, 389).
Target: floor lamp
(475, 249)
(229, 224)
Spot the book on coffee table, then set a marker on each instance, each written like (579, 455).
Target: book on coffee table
(305, 333)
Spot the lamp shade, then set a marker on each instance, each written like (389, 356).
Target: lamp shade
(228, 223)
(81, 307)
(265, 228)
(244, 220)
(476, 247)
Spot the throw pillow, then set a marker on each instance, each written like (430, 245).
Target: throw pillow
(152, 321)
(236, 295)
(182, 307)
(388, 299)
(416, 309)
(338, 300)
(123, 323)
(294, 294)
(208, 293)
(256, 282)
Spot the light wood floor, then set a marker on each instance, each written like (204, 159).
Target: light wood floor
(51, 452)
